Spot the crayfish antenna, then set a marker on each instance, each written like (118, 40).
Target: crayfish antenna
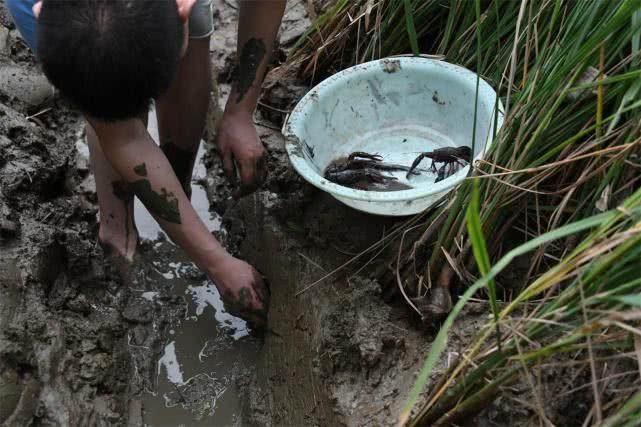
(364, 155)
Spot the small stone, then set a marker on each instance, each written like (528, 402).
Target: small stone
(4, 41)
(8, 228)
(79, 305)
(137, 311)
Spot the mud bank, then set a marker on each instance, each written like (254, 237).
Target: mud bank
(62, 359)
(337, 354)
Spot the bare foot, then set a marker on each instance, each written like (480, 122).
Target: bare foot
(120, 257)
(123, 243)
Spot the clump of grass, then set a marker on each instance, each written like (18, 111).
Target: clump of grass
(587, 303)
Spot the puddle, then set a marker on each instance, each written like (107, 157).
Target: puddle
(205, 351)
(207, 348)
(194, 380)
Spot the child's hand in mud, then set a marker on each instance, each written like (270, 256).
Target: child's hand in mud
(239, 144)
(243, 292)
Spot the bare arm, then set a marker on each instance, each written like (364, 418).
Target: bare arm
(237, 138)
(133, 154)
(258, 25)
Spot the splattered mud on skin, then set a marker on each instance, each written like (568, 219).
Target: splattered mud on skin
(141, 170)
(182, 161)
(165, 204)
(123, 192)
(245, 73)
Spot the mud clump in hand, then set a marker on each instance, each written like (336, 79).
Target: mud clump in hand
(240, 305)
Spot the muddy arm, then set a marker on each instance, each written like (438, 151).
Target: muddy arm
(258, 25)
(236, 137)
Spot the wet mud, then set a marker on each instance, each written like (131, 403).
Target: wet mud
(202, 351)
(62, 358)
(342, 355)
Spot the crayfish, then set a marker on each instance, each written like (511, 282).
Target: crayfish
(362, 171)
(448, 155)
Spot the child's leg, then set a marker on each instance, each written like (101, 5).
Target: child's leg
(115, 199)
(134, 155)
(182, 111)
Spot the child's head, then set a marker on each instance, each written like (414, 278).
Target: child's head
(110, 57)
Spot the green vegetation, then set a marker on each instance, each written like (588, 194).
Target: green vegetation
(559, 186)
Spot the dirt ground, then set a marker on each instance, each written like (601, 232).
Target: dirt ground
(77, 348)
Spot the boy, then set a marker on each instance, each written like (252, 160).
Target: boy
(111, 58)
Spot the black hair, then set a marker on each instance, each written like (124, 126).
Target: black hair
(110, 57)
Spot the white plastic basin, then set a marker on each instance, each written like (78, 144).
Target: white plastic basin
(397, 108)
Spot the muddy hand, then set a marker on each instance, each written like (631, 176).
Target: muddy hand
(244, 292)
(239, 145)
(251, 178)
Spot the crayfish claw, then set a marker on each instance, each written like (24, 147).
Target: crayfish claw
(415, 164)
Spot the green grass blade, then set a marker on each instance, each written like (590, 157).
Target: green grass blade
(441, 338)
(636, 39)
(479, 248)
(411, 29)
(632, 405)
(633, 300)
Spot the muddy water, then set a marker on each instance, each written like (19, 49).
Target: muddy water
(207, 349)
